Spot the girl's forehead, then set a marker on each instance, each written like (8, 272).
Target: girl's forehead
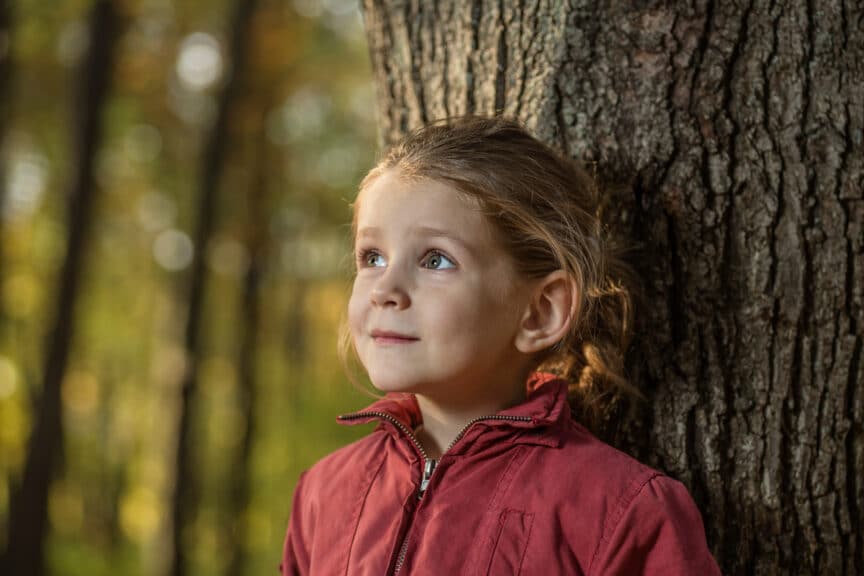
(393, 202)
(393, 192)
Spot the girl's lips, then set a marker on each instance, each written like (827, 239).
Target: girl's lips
(387, 337)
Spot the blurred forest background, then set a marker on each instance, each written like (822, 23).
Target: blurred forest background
(173, 258)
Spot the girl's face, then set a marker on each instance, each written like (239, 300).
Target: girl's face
(436, 302)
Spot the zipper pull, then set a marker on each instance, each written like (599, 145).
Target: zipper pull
(428, 468)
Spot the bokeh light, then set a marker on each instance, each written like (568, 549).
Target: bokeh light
(199, 63)
(173, 250)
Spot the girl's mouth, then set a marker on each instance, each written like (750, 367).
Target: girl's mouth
(389, 337)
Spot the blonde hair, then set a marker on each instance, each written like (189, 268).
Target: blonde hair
(545, 209)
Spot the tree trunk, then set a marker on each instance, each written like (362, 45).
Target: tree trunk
(6, 25)
(739, 128)
(29, 510)
(185, 486)
(6, 71)
(257, 244)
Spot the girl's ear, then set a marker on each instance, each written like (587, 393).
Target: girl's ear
(549, 314)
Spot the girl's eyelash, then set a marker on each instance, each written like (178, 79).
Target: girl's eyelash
(362, 256)
(440, 253)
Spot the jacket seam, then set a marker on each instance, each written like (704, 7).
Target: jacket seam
(622, 505)
(360, 514)
(525, 547)
(503, 518)
(507, 478)
(503, 484)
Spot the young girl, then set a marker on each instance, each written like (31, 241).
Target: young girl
(483, 298)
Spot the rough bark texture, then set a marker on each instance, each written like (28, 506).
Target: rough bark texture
(740, 129)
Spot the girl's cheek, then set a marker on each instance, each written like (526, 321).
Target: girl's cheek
(355, 311)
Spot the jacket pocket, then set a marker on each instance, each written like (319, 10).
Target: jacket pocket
(509, 543)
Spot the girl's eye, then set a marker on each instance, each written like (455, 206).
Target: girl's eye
(435, 260)
(371, 259)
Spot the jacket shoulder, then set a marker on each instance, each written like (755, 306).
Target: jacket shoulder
(648, 522)
(346, 461)
(337, 474)
(329, 494)
(596, 461)
(657, 529)
(593, 478)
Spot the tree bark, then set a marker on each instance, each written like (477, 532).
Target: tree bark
(29, 510)
(739, 128)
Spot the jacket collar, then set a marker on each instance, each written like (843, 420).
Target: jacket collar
(545, 405)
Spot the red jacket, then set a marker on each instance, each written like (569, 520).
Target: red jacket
(527, 491)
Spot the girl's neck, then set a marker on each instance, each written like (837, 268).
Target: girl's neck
(442, 422)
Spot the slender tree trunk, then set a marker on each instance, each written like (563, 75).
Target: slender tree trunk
(185, 489)
(28, 523)
(740, 128)
(257, 245)
(6, 25)
(6, 68)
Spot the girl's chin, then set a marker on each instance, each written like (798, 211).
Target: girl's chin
(401, 386)
(389, 383)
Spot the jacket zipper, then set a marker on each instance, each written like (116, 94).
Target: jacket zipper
(407, 431)
(481, 418)
(429, 464)
(428, 467)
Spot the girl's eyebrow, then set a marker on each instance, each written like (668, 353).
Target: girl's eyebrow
(422, 231)
(432, 232)
(368, 231)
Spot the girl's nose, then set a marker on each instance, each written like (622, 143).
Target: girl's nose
(389, 290)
